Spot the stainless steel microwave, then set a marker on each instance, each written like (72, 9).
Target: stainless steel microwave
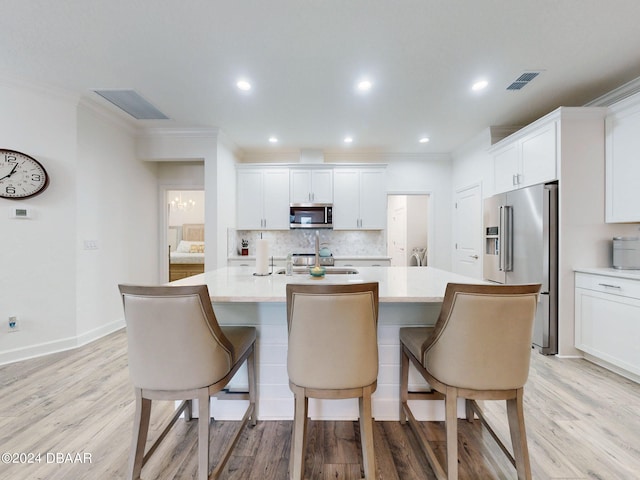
(311, 215)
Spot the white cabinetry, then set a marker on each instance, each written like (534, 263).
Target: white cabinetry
(527, 157)
(622, 127)
(607, 319)
(262, 199)
(359, 198)
(360, 262)
(311, 185)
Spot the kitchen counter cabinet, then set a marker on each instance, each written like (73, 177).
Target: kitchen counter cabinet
(622, 177)
(408, 296)
(363, 262)
(262, 199)
(607, 319)
(359, 199)
(311, 185)
(528, 159)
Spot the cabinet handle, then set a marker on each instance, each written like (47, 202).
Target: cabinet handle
(514, 180)
(608, 285)
(474, 256)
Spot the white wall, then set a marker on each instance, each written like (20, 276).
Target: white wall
(226, 196)
(116, 207)
(63, 294)
(428, 174)
(218, 154)
(37, 258)
(471, 165)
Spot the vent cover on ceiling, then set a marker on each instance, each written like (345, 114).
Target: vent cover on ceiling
(523, 80)
(132, 103)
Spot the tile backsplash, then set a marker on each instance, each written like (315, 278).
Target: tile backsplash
(342, 243)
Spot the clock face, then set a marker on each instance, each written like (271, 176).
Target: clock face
(21, 176)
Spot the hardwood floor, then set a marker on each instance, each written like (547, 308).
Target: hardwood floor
(582, 422)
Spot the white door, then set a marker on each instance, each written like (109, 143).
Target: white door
(468, 232)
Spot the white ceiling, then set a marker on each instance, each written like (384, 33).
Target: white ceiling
(304, 57)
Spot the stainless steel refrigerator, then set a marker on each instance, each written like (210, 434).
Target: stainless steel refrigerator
(521, 246)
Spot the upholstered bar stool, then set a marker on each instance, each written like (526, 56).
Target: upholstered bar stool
(177, 351)
(332, 354)
(479, 349)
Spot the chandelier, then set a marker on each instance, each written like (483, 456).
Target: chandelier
(177, 204)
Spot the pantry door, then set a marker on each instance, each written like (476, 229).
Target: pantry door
(468, 232)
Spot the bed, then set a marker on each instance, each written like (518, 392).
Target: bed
(187, 258)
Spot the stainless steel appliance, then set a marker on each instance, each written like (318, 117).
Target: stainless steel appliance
(309, 259)
(311, 215)
(521, 246)
(626, 253)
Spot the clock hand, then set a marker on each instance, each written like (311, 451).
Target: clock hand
(13, 170)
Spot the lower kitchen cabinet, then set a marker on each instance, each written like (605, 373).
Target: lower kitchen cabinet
(360, 262)
(607, 319)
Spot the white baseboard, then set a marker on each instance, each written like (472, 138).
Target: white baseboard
(47, 348)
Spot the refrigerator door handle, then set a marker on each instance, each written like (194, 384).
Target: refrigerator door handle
(500, 239)
(506, 238)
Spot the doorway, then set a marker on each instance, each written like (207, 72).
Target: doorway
(184, 233)
(408, 229)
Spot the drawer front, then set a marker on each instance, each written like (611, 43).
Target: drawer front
(612, 285)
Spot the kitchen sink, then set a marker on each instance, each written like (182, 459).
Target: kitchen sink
(328, 271)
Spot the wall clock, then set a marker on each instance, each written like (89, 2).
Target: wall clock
(21, 176)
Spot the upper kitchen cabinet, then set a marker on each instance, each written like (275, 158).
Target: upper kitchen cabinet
(262, 198)
(311, 185)
(359, 198)
(527, 157)
(622, 147)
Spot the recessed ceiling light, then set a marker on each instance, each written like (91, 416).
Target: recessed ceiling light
(364, 85)
(479, 85)
(348, 139)
(424, 140)
(273, 139)
(243, 85)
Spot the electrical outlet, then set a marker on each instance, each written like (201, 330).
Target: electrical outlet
(13, 325)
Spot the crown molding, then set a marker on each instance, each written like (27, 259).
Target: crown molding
(614, 96)
(180, 132)
(22, 83)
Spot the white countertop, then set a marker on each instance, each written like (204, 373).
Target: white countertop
(396, 284)
(611, 272)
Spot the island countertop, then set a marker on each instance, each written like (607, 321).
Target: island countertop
(409, 296)
(396, 284)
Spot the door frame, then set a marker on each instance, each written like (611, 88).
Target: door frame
(163, 225)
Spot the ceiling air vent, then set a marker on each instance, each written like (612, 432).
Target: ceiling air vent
(132, 103)
(522, 80)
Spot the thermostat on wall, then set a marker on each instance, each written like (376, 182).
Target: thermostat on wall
(20, 212)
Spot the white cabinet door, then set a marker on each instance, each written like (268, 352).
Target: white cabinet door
(373, 199)
(529, 159)
(322, 185)
(262, 199)
(505, 168)
(249, 214)
(623, 166)
(276, 199)
(346, 199)
(311, 185)
(608, 327)
(538, 156)
(300, 186)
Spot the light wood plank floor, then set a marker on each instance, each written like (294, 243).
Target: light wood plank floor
(582, 422)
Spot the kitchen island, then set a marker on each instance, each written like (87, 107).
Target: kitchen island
(408, 296)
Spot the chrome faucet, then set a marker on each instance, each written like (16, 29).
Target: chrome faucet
(317, 248)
